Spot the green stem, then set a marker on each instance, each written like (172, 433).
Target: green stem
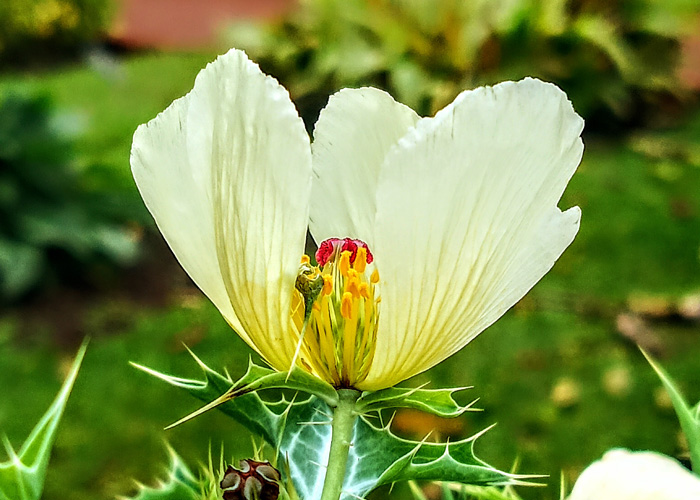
(343, 424)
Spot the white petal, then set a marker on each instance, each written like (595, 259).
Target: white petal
(352, 136)
(644, 475)
(467, 220)
(226, 173)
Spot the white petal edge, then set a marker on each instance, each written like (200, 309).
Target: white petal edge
(467, 220)
(226, 173)
(352, 136)
(642, 475)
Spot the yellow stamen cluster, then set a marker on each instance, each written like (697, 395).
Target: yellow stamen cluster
(338, 340)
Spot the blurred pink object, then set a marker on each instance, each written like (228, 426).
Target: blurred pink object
(689, 69)
(640, 475)
(185, 24)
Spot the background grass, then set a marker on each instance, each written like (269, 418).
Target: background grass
(639, 237)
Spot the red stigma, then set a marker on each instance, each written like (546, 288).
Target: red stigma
(328, 248)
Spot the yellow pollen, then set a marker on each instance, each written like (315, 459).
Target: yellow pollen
(327, 284)
(346, 305)
(361, 260)
(364, 290)
(374, 277)
(305, 259)
(344, 265)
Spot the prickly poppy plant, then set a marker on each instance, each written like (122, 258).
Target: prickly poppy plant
(427, 229)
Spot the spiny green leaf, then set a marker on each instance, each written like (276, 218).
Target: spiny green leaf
(300, 432)
(22, 476)
(439, 402)
(259, 378)
(428, 461)
(179, 485)
(688, 417)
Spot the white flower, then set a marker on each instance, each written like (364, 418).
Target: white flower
(641, 475)
(459, 212)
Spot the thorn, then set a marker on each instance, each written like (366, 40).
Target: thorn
(391, 421)
(210, 463)
(321, 412)
(416, 389)
(516, 464)
(562, 482)
(201, 364)
(221, 399)
(425, 439)
(463, 388)
(469, 406)
(315, 423)
(176, 381)
(8, 448)
(480, 433)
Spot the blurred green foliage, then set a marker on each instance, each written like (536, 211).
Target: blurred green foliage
(31, 29)
(51, 222)
(615, 59)
(22, 475)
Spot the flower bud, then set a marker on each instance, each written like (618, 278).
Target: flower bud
(253, 481)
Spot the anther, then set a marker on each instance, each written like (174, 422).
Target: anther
(346, 305)
(327, 284)
(353, 287)
(344, 265)
(361, 260)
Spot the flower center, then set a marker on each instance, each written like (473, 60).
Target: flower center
(335, 311)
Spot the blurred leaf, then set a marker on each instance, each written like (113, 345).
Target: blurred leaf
(602, 33)
(116, 244)
(46, 206)
(416, 491)
(669, 18)
(22, 476)
(180, 484)
(411, 82)
(20, 267)
(610, 58)
(32, 30)
(688, 417)
(553, 17)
